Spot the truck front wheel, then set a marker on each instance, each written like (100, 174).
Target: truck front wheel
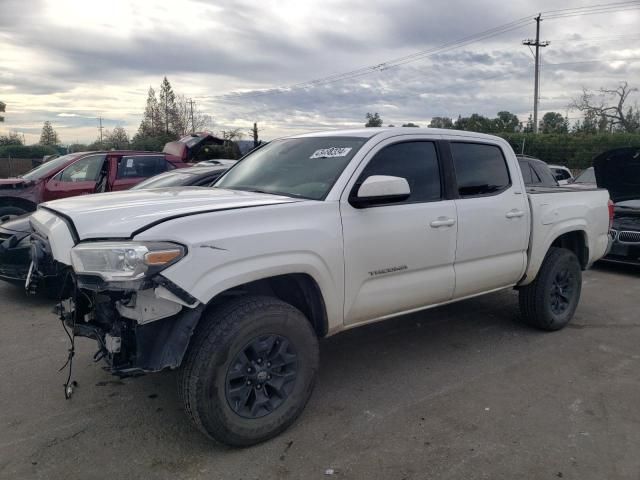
(249, 371)
(550, 301)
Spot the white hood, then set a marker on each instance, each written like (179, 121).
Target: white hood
(120, 214)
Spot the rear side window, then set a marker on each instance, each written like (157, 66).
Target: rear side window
(527, 173)
(141, 166)
(561, 174)
(417, 162)
(481, 169)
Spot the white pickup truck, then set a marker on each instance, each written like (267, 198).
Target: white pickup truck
(306, 237)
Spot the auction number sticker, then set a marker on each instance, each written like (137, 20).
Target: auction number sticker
(332, 152)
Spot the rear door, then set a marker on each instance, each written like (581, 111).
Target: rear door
(399, 256)
(79, 178)
(129, 170)
(493, 218)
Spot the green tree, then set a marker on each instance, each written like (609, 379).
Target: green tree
(507, 122)
(168, 110)
(116, 139)
(410, 124)
(441, 122)
(475, 123)
(373, 120)
(48, 135)
(554, 122)
(11, 139)
(3, 107)
(528, 127)
(151, 124)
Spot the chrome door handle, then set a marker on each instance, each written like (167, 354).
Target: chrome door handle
(515, 214)
(442, 222)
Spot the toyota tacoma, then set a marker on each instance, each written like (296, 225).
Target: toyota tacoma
(304, 238)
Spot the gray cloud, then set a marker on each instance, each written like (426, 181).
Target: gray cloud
(259, 46)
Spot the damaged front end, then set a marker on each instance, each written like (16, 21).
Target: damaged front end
(140, 320)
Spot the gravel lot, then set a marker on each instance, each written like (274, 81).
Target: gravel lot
(458, 392)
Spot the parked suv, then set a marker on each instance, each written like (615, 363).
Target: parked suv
(80, 174)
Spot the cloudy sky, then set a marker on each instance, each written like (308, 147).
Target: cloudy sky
(71, 61)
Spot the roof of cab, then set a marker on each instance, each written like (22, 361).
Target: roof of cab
(391, 131)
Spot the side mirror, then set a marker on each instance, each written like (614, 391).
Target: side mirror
(381, 189)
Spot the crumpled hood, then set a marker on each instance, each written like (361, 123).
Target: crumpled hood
(121, 214)
(618, 171)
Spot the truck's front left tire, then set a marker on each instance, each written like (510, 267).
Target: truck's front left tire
(249, 370)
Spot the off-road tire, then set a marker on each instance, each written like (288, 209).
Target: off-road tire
(222, 333)
(9, 212)
(536, 304)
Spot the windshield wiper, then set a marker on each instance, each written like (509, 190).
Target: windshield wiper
(257, 190)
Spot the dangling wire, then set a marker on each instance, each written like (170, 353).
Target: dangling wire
(69, 385)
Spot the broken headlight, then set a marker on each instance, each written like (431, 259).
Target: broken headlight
(124, 261)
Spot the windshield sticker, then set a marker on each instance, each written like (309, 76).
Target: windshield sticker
(332, 152)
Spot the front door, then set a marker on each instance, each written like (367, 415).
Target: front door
(493, 219)
(399, 256)
(79, 178)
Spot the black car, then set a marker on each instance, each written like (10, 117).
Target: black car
(535, 172)
(15, 235)
(619, 172)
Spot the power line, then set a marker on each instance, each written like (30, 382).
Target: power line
(399, 61)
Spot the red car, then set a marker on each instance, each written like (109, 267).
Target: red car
(80, 174)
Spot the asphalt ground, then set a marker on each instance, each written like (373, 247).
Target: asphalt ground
(458, 392)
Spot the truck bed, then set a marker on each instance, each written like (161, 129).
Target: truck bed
(553, 213)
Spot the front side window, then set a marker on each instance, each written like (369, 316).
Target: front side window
(417, 162)
(86, 169)
(481, 169)
(304, 167)
(140, 166)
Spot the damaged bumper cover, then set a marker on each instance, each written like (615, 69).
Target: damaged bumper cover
(139, 327)
(128, 347)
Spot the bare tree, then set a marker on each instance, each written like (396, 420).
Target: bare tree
(609, 105)
(190, 118)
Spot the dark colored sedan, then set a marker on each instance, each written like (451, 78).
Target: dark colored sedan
(15, 244)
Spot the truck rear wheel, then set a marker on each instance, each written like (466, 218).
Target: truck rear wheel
(249, 371)
(550, 301)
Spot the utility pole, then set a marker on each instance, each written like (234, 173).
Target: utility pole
(538, 44)
(193, 127)
(100, 128)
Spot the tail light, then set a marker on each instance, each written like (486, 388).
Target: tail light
(611, 213)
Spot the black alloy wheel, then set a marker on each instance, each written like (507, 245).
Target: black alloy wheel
(261, 376)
